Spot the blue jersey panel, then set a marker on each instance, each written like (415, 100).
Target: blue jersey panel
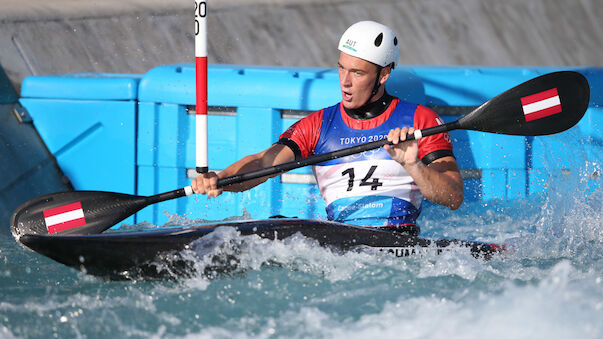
(336, 135)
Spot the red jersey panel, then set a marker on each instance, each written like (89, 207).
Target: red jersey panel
(424, 118)
(306, 131)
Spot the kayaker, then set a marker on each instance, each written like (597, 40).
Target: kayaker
(380, 188)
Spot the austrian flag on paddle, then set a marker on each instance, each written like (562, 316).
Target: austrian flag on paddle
(540, 105)
(64, 217)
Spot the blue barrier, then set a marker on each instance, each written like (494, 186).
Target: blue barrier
(135, 133)
(88, 122)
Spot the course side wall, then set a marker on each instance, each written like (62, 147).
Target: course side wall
(111, 36)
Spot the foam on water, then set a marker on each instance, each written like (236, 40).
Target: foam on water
(553, 308)
(548, 285)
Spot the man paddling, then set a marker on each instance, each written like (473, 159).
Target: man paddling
(380, 188)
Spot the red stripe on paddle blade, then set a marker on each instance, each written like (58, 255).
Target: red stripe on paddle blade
(62, 209)
(543, 113)
(67, 225)
(530, 99)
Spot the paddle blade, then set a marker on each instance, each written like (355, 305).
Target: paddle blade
(548, 104)
(80, 212)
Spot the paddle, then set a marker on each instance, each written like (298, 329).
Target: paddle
(548, 104)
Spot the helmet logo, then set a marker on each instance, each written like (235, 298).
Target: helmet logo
(350, 44)
(379, 39)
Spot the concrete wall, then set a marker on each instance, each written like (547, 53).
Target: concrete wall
(63, 36)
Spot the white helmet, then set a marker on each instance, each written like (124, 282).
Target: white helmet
(371, 41)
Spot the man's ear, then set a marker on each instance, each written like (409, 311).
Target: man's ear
(385, 73)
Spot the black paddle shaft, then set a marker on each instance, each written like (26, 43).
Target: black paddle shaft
(316, 159)
(508, 113)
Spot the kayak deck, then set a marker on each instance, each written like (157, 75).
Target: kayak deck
(135, 254)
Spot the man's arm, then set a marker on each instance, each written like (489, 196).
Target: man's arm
(440, 181)
(206, 183)
(300, 137)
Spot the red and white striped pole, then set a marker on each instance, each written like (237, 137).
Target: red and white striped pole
(201, 84)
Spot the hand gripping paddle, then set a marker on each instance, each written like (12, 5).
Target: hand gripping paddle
(547, 104)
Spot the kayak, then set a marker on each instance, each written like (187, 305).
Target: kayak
(156, 254)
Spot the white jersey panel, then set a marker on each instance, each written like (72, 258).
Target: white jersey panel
(367, 178)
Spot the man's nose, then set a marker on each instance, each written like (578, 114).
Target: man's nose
(345, 79)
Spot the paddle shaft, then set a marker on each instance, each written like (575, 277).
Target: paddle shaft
(312, 160)
(315, 159)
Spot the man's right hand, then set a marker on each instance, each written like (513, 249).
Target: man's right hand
(207, 183)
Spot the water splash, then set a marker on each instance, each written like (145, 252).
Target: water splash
(569, 223)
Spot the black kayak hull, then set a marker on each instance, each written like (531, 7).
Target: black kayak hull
(135, 254)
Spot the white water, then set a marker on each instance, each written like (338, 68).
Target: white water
(547, 285)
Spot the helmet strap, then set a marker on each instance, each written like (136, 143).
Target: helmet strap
(376, 85)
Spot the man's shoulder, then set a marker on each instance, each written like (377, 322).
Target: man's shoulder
(331, 108)
(398, 105)
(426, 112)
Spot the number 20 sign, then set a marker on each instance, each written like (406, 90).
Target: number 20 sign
(200, 14)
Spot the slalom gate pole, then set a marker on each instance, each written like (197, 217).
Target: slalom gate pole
(201, 86)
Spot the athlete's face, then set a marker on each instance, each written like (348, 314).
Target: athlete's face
(356, 79)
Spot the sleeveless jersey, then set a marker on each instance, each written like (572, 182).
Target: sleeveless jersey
(370, 188)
